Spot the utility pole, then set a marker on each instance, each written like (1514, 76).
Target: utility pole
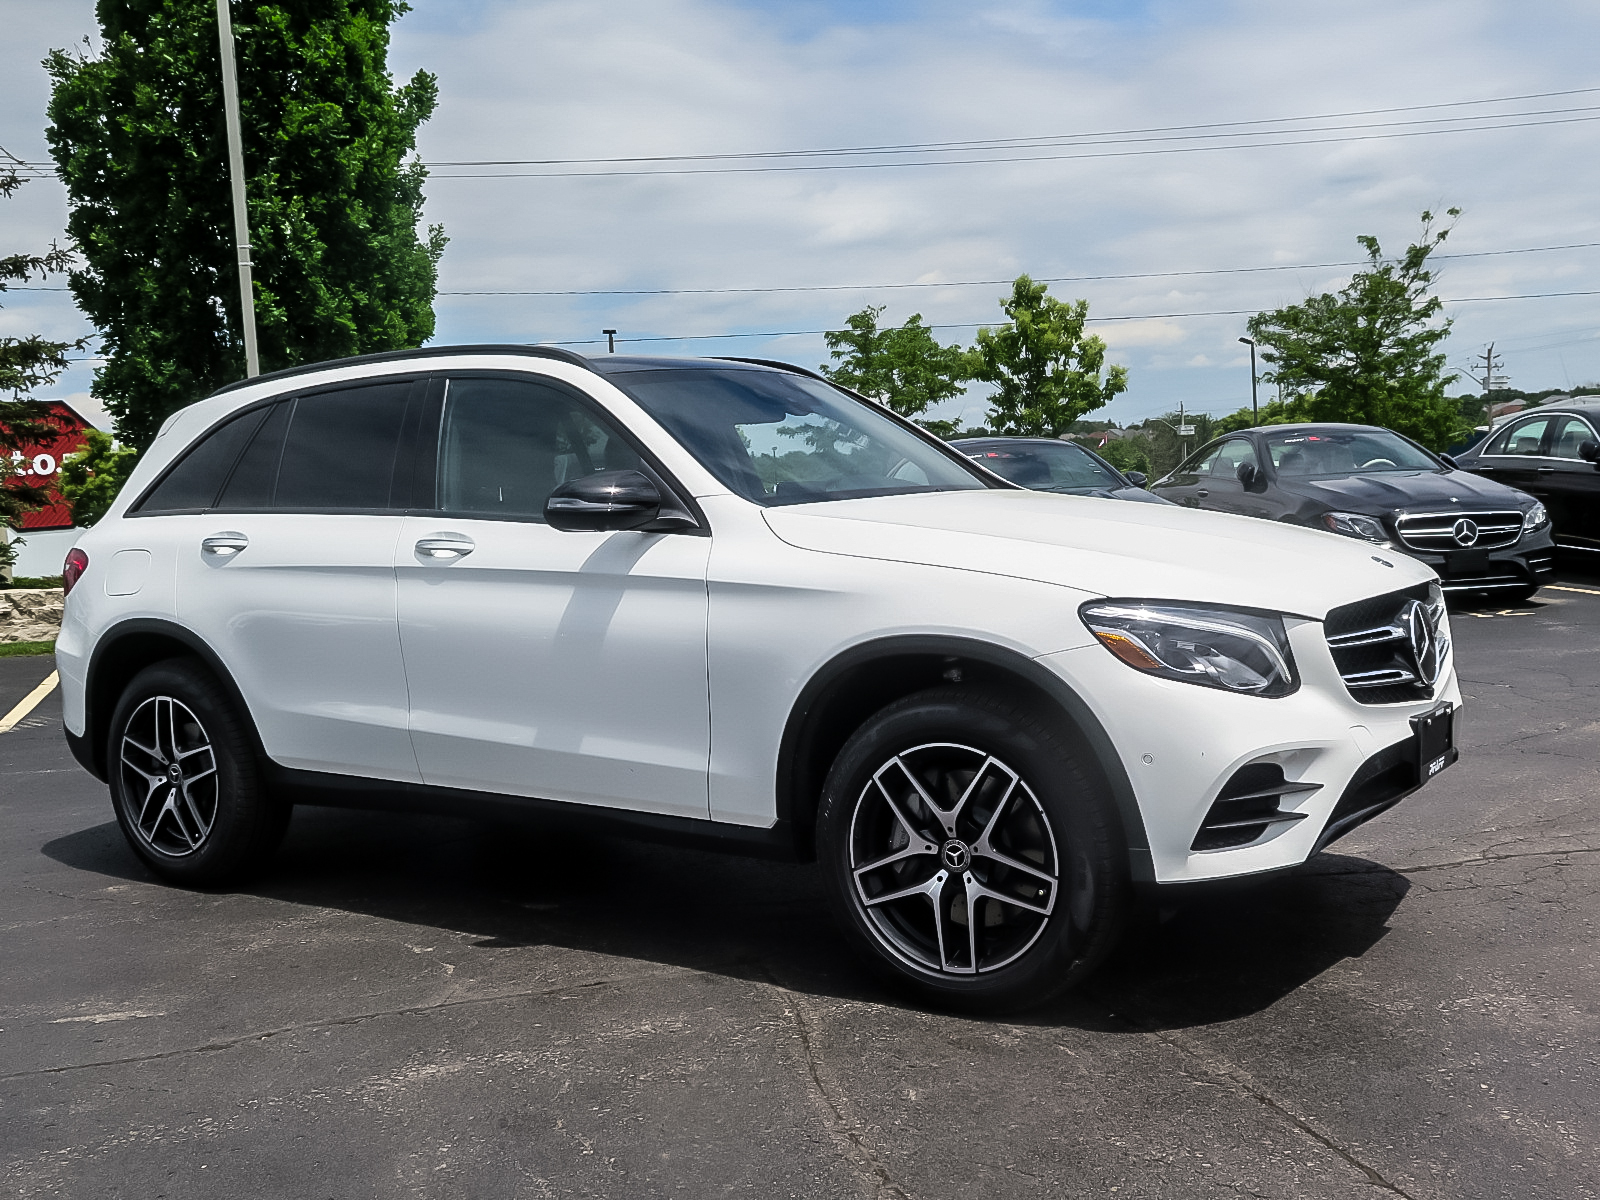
(1255, 409)
(1490, 379)
(241, 215)
(611, 340)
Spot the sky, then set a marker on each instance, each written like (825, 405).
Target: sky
(1195, 213)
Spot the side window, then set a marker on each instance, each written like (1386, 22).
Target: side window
(256, 477)
(1233, 452)
(1523, 438)
(194, 482)
(506, 444)
(341, 447)
(1202, 464)
(1570, 433)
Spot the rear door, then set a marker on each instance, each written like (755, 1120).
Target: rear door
(289, 575)
(1571, 483)
(561, 665)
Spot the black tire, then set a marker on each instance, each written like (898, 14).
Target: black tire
(1032, 811)
(186, 781)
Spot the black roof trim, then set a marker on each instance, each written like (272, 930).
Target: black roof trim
(529, 351)
(783, 366)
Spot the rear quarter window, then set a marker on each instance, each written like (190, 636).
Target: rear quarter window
(194, 480)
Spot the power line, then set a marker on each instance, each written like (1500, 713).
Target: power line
(865, 287)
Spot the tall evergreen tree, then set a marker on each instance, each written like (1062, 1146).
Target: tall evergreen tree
(138, 137)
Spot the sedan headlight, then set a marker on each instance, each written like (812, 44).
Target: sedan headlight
(1357, 526)
(1535, 518)
(1213, 647)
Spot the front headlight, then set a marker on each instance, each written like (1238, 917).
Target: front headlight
(1535, 519)
(1355, 525)
(1214, 647)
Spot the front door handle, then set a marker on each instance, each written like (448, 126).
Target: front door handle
(224, 545)
(1545, 471)
(1202, 493)
(447, 546)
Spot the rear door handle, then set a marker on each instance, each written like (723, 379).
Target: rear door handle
(447, 546)
(1202, 493)
(224, 545)
(1545, 470)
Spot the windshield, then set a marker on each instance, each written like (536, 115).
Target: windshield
(1044, 466)
(776, 438)
(1337, 452)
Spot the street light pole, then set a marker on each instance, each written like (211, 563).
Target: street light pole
(241, 215)
(1255, 410)
(611, 340)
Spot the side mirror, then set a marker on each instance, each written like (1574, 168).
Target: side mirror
(1247, 474)
(1590, 450)
(607, 500)
(1137, 478)
(1450, 462)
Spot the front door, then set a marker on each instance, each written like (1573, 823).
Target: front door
(1572, 484)
(566, 666)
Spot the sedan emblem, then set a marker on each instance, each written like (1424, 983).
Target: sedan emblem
(1465, 532)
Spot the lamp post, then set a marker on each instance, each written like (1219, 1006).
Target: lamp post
(241, 216)
(611, 340)
(1255, 412)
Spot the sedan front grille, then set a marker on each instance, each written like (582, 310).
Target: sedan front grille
(1390, 649)
(1435, 533)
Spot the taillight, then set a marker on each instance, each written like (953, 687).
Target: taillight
(72, 570)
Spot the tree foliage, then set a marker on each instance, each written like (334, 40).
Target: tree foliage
(91, 478)
(26, 364)
(1127, 454)
(902, 366)
(1369, 353)
(138, 137)
(1047, 372)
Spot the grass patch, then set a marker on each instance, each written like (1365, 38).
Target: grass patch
(25, 649)
(34, 581)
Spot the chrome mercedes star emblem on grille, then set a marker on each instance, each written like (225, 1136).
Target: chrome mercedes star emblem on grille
(1424, 641)
(1465, 532)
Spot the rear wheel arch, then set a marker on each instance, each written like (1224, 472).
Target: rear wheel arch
(864, 679)
(120, 654)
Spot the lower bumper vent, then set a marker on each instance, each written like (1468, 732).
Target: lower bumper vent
(1248, 806)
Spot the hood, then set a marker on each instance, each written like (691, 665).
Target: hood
(1106, 547)
(1408, 491)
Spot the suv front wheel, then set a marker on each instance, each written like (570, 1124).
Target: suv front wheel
(185, 781)
(970, 854)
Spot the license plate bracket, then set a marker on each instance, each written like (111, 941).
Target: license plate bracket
(1435, 735)
(1459, 563)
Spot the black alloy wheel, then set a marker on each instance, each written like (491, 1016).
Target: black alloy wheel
(185, 778)
(970, 856)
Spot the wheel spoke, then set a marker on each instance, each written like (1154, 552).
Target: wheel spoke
(911, 830)
(944, 818)
(155, 782)
(142, 749)
(986, 851)
(961, 804)
(928, 887)
(202, 826)
(911, 851)
(974, 886)
(972, 923)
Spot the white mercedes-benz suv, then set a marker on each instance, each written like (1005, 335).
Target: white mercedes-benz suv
(724, 601)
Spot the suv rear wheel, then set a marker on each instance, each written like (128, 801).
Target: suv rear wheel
(970, 856)
(185, 781)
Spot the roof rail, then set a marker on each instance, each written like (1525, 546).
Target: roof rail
(531, 351)
(773, 362)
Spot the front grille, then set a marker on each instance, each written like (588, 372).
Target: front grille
(1375, 645)
(1248, 806)
(1435, 533)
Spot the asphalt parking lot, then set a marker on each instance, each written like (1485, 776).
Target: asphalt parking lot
(424, 1007)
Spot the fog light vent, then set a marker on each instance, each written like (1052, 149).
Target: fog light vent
(1248, 806)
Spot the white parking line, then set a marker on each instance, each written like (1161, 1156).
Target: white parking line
(29, 703)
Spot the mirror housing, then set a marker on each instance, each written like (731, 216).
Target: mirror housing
(1450, 462)
(1590, 451)
(1247, 474)
(1138, 478)
(605, 501)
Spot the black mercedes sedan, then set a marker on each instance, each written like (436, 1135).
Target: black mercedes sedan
(1371, 483)
(1051, 465)
(1553, 453)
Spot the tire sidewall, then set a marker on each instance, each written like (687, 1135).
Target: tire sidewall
(1088, 912)
(244, 816)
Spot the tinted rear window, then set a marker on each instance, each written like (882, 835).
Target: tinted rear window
(341, 448)
(194, 482)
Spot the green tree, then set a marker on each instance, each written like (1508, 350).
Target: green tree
(1128, 454)
(138, 137)
(91, 478)
(1370, 352)
(902, 366)
(1273, 412)
(1047, 373)
(26, 364)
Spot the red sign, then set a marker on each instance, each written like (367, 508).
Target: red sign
(38, 464)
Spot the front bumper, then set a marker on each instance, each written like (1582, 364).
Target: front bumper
(1529, 561)
(1182, 745)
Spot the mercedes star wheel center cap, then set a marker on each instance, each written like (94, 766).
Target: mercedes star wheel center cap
(956, 855)
(1465, 532)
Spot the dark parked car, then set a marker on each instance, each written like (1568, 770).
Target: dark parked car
(1051, 465)
(1371, 483)
(1554, 454)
